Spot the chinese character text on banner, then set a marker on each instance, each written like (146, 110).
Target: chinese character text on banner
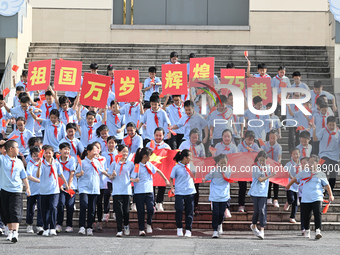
(95, 90)
(261, 87)
(174, 79)
(67, 75)
(39, 75)
(233, 77)
(201, 70)
(127, 85)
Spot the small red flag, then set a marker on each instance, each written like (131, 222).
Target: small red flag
(136, 168)
(5, 92)
(300, 128)
(152, 144)
(4, 123)
(261, 142)
(71, 192)
(327, 206)
(79, 160)
(15, 68)
(321, 161)
(128, 141)
(171, 194)
(246, 53)
(41, 154)
(42, 97)
(61, 182)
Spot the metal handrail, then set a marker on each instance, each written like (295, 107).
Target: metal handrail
(6, 78)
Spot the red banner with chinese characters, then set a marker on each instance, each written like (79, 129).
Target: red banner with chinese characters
(174, 79)
(67, 75)
(39, 75)
(95, 90)
(233, 77)
(201, 70)
(261, 87)
(127, 85)
(241, 164)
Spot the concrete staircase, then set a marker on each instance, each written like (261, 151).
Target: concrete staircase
(312, 62)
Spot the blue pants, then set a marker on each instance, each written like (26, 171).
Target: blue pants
(189, 210)
(49, 210)
(31, 202)
(218, 209)
(148, 200)
(260, 210)
(65, 199)
(292, 200)
(87, 203)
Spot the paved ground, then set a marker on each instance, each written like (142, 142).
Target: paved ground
(165, 242)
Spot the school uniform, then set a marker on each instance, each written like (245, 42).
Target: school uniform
(131, 113)
(315, 96)
(300, 85)
(153, 89)
(87, 132)
(37, 128)
(111, 98)
(184, 192)
(115, 121)
(12, 172)
(175, 113)
(276, 125)
(46, 109)
(258, 192)
(136, 142)
(291, 123)
(219, 194)
(76, 146)
(220, 121)
(22, 139)
(221, 148)
(198, 109)
(304, 151)
(24, 85)
(53, 133)
(194, 121)
(236, 120)
(329, 149)
(257, 75)
(143, 193)
(49, 192)
(68, 116)
(243, 147)
(64, 198)
(278, 82)
(292, 193)
(153, 120)
(320, 120)
(34, 198)
(19, 112)
(4, 116)
(121, 191)
(312, 196)
(110, 158)
(103, 189)
(16, 102)
(89, 189)
(97, 119)
(257, 120)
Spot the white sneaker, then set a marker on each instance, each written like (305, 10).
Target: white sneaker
(119, 234)
(134, 207)
(142, 233)
(15, 237)
(114, 216)
(179, 232)
(215, 234)
(29, 229)
(127, 230)
(228, 214)
(81, 231)
(241, 209)
(318, 234)
(286, 207)
(89, 232)
(106, 217)
(220, 229)
(46, 232)
(187, 233)
(307, 233)
(58, 228)
(53, 232)
(292, 220)
(9, 236)
(276, 203)
(303, 232)
(1, 232)
(99, 227)
(159, 207)
(148, 229)
(255, 230)
(40, 231)
(68, 229)
(269, 201)
(261, 235)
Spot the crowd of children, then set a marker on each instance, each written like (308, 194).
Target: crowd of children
(59, 146)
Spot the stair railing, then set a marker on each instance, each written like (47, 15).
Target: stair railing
(6, 78)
